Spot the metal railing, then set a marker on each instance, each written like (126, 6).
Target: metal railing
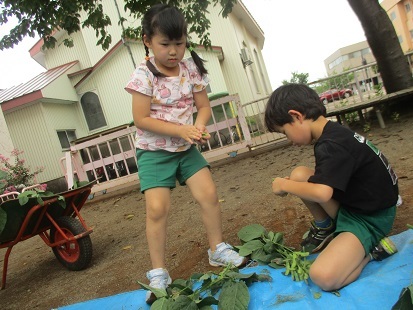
(109, 157)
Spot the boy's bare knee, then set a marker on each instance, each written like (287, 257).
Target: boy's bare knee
(301, 174)
(326, 280)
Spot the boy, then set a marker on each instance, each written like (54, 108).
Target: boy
(351, 193)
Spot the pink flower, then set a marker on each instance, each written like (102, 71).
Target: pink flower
(43, 187)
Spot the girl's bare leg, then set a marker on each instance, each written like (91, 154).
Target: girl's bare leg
(158, 203)
(204, 191)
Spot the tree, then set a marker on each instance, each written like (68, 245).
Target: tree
(382, 39)
(43, 17)
(300, 78)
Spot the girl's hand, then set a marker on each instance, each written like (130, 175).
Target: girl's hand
(276, 186)
(204, 134)
(190, 133)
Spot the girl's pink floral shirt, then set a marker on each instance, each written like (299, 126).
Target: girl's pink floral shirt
(171, 101)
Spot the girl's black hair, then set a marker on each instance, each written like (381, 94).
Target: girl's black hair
(288, 97)
(169, 21)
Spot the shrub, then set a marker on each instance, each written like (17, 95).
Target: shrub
(15, 176)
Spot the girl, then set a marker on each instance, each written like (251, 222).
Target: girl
(164, 89)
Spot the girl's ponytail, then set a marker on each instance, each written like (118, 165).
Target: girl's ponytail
(150, 65)
(199, 62)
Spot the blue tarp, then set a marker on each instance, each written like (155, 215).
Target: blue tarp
(378, 287)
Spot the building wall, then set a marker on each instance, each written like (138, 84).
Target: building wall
(400, 13)
(62, 55)
(348, 57)
(251, 82)
(33, 127)
(6, 143)
(33, 130)
(109, 81)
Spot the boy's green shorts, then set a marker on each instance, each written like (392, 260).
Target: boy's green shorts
(369, 229)
(162, 168)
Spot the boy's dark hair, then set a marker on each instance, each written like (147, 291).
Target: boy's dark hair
(288, 97)
(169, 21)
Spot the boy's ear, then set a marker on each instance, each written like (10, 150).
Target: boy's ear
(296, 115)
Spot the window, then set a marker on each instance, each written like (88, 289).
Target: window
(392, 16)
(65, 137)
(93, 111)
(400, 39)
(356, 54)
(407, 6)
(365, 51)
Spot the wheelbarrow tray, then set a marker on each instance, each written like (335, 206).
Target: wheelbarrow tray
(35, 218)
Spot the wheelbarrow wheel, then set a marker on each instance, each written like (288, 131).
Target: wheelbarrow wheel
(76, 254)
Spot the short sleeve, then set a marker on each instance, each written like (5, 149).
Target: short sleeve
(141, 81)
(334, 165)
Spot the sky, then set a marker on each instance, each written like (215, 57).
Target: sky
(299, 35)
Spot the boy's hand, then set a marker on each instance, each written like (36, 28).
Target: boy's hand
(276, 186)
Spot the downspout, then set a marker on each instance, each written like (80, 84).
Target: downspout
(123, 39)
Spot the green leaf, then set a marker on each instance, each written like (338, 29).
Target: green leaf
(278, 238)
(276, 266)
(184, 303)
(207, 302)
(159, 293)
(23, 199)
(251, 232)
(3, 175)
(261, 256)
(234, 296)
(405, 300)
(162, 304)
(269, 247)
(317, 295)
(184, 287)
(249, 247)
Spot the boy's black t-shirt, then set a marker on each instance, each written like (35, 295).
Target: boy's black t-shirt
(362, 178)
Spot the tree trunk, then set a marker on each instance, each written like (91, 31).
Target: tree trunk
(385, 46)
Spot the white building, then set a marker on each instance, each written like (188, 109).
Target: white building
(82, 92)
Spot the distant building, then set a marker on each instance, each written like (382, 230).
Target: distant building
(401, 15)
(348, 57)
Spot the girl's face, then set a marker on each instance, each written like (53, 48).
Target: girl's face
(168, 53)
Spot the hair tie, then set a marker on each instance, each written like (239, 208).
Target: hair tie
(147, 58)
(190, 49)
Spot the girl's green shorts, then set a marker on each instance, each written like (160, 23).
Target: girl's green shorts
(162, 168)
(369, 229)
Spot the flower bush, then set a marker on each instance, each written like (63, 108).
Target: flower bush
(16, 176)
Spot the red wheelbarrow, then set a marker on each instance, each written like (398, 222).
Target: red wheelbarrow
(59, 225)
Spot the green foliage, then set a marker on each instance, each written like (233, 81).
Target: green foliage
(395, 116)
(231, 285)
(366, 127)
(40, 196)
(297, 78)
(44, 17)
(268, 248)
(351, 117)
(378, 89)
(15, 176)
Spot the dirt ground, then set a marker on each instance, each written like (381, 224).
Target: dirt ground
(36, 280)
